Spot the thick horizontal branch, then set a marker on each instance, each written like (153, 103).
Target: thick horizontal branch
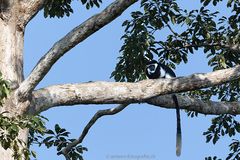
(74, 37)
(123, 92)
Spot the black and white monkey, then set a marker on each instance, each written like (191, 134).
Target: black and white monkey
(155, 70)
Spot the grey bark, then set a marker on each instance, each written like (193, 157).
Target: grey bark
(143, 91)
(11, 61)
(29, 8)
(69, 41)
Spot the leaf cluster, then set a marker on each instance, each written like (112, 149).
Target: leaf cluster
(9, 132)
(235, 150)
(143, 40)
(221, 126)
(91, 3)
(4, 89)
(59, 138)
(38, 134)
(61, 8)
(212, 158)
(10, 126)
(140, 43)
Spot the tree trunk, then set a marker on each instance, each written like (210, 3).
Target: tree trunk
(11, 66)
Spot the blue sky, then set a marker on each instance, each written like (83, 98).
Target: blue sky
(140, 129)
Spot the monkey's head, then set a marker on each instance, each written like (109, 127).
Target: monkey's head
(152, 69)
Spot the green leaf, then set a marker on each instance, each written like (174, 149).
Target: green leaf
(206, 2)
(88, 6)
(57, 128)
(83, 1)
(49, 132)
(215, 139)
(33, 153)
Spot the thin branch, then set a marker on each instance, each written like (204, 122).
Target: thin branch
(169, 27)
(93, 120)
(69, 41)
(124, 92)
(233, 48)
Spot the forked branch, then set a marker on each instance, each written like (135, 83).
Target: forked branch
(69, 41)
(29, 8)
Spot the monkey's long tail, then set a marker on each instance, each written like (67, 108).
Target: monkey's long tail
(179, 132)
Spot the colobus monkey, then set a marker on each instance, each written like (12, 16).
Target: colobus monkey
(155, 70)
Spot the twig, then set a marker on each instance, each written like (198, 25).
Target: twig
(233, 48)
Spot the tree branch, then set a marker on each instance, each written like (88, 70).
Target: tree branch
(143, 91)
(233, 48)
(98, 115)
(74, 37)
(197, 105)
(29, 8)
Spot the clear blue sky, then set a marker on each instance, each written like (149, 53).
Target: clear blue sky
(138, 130)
